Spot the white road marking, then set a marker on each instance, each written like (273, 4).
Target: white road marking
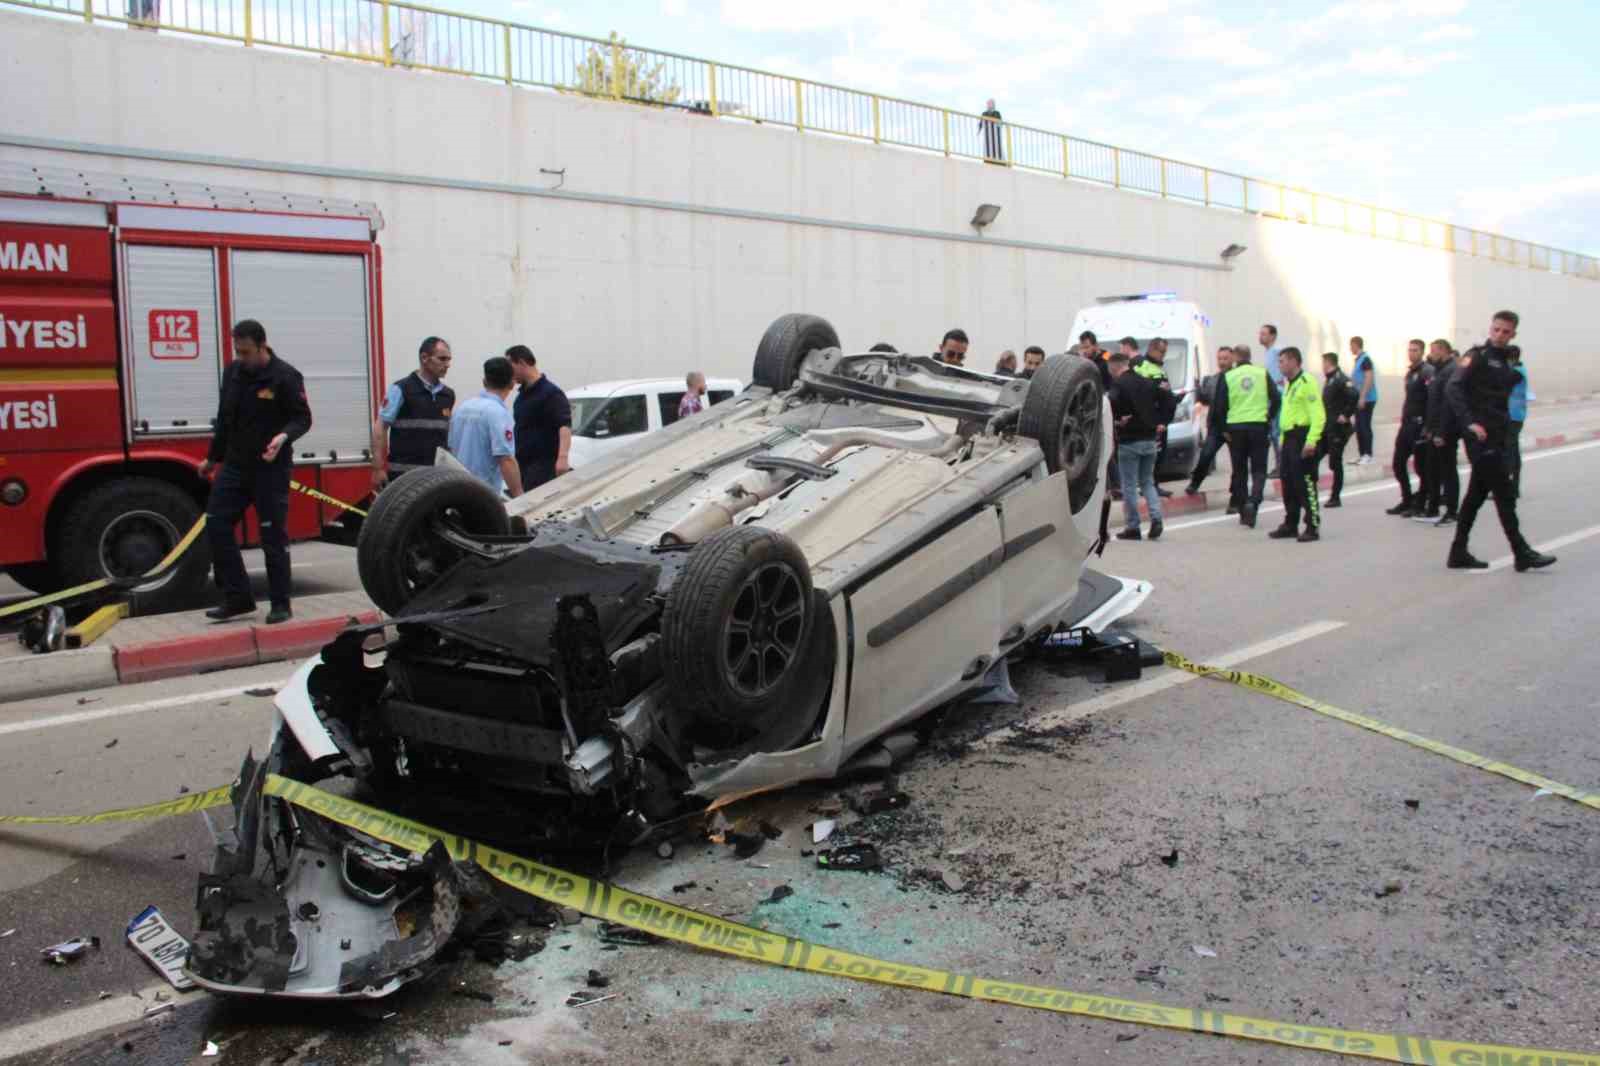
(165, 703)
(1547, 546)
(1170, 679)
(82, 1021)
(1382, 486)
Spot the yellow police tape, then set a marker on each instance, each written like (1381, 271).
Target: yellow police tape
(325, 498)
(87, 587)
(1590, 798)
(186, 804)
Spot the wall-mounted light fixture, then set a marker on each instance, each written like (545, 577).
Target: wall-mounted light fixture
(1232, 252)
(985, 214)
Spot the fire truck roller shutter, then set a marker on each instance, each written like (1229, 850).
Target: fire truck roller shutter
(173, 352)
(314, 308)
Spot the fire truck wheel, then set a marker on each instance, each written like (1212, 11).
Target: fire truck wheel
(124, 528)
(400, 552)
(35, 577)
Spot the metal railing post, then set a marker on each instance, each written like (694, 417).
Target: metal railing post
(88, 10)
(616, 71)
(799, 105)
(506, 27)
(388, 50)
(249, 26)
(1011, 151)
(1314, 220)
(1244, 183)
(877, 128)
(1066, 166)
(1163, 177)
(1281, 212)
(1206, 181)
(1116, 168)
(711, 83)
(946, 114)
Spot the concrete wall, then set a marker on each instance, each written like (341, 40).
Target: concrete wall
(604, 289)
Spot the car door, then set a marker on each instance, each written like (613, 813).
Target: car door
(925, 627)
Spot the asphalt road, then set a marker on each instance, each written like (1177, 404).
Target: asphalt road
(1288, 828)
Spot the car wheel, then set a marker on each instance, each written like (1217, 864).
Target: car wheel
(39, 578)
(400, 552)
(787, 341)
(1062, 413)
(123, 529)
(737, 627)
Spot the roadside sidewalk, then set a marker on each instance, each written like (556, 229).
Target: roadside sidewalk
(171, 645)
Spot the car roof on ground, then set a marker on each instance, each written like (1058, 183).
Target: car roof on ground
(626, 385)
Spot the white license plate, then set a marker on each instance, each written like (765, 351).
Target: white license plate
(163, 945)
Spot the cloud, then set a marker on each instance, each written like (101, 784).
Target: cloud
(1564, 210)
(1450, 31)
(1558, 113)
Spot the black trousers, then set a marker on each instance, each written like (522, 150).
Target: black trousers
(1422, 459)
(1490, 477)
(1207, 460)
(1332, 448)
(537, 473)
(1444, 481)
(266, 487)
(1298, 481)
(1514, 456)
(1247, 450)
(1405, 445)
(1364, 428)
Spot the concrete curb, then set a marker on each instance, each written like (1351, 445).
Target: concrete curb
(1209, 499)
(26, 676)
(232, 647)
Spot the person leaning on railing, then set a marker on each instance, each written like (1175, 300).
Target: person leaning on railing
(994, 149)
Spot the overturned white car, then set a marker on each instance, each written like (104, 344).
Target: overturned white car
(755, 596)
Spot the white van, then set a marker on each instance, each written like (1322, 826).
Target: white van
(610, 415)
(1182, 325)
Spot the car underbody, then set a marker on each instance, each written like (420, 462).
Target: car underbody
(777, 590)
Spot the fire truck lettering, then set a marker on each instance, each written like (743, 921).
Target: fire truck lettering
(44, 335)
(29, 414)
(62, 334)
(28, 257)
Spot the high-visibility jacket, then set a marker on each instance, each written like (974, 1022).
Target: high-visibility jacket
(1248, 394)
(1302, 409)
(1146, 367)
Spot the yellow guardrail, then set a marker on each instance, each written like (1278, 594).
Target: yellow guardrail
(417, 37)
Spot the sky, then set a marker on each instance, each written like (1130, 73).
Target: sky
(1481, 112)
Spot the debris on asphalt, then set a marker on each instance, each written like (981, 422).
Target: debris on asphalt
(105, 995)
(850, 857)
(951, 880)
(151, 935)
(1151, 976)
(830, 806)
(159, 1008)
(779, 894)
(571, 916)
(7, 933)
(876, 802)
(211, 1050)
(499, 944)
(84, 700)
(1203, 951)
(664, 849)
(745, 844)
(1541, 792)
(472, 993)
(1413, 804)
(1123, 1038)
(770, 831)
(111, 743)
(617, 933)
(686, 886)
(260, 692)
(1389, 888)
(67, 950)
(1170, 859)
(583, 999)
(596, 979)
(822, 829)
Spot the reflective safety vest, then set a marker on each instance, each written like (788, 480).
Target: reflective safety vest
(1146, 367)
(421, 426)
(1247, 394)
(1302, 409)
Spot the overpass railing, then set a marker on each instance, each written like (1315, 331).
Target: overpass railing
(417, 37)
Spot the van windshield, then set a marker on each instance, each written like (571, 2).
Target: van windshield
(1177, 360)
(584, 408)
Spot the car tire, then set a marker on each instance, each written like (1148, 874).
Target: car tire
(737, 626)
(125, 527)
(39, 578)
(787, 341)
(1062, 413)
(397, 555)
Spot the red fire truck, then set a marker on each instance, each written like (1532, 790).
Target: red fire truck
(117, 297)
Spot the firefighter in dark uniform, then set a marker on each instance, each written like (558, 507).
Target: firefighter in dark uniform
(1480, 393)
(415, 418)
(1339, 406)
(262, 412)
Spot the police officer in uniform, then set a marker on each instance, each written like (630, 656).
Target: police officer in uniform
(415, 418)
(263, 411)
(1214, 442)
(1480, 393)
(1413, 417)
(1300, 425)
(1444, 484)
(1247, 401)
(1339, 406)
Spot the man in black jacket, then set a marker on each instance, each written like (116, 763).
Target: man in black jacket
(1339, 406)
(1207, 398)
(1136, 408)
(1444, 483)
(262, 413)
(1479, 392)
(1412, 416)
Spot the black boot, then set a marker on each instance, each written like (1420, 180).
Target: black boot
(1282, 533)
(1333, 501)
(231, 609)
(1461, 559)
(1533, 560)
(1308, 536)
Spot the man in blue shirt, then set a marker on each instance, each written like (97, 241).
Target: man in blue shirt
(1268, 338)
(414, 421)
(1365, 375)
(482, 436)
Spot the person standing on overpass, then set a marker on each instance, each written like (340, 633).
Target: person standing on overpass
(1267, 336)
(414, 421)
(1480, 394)
(1302, 421)
(482, 435)
(263, 411)
(994, 150)
(1366, 379)
(1247, 401)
